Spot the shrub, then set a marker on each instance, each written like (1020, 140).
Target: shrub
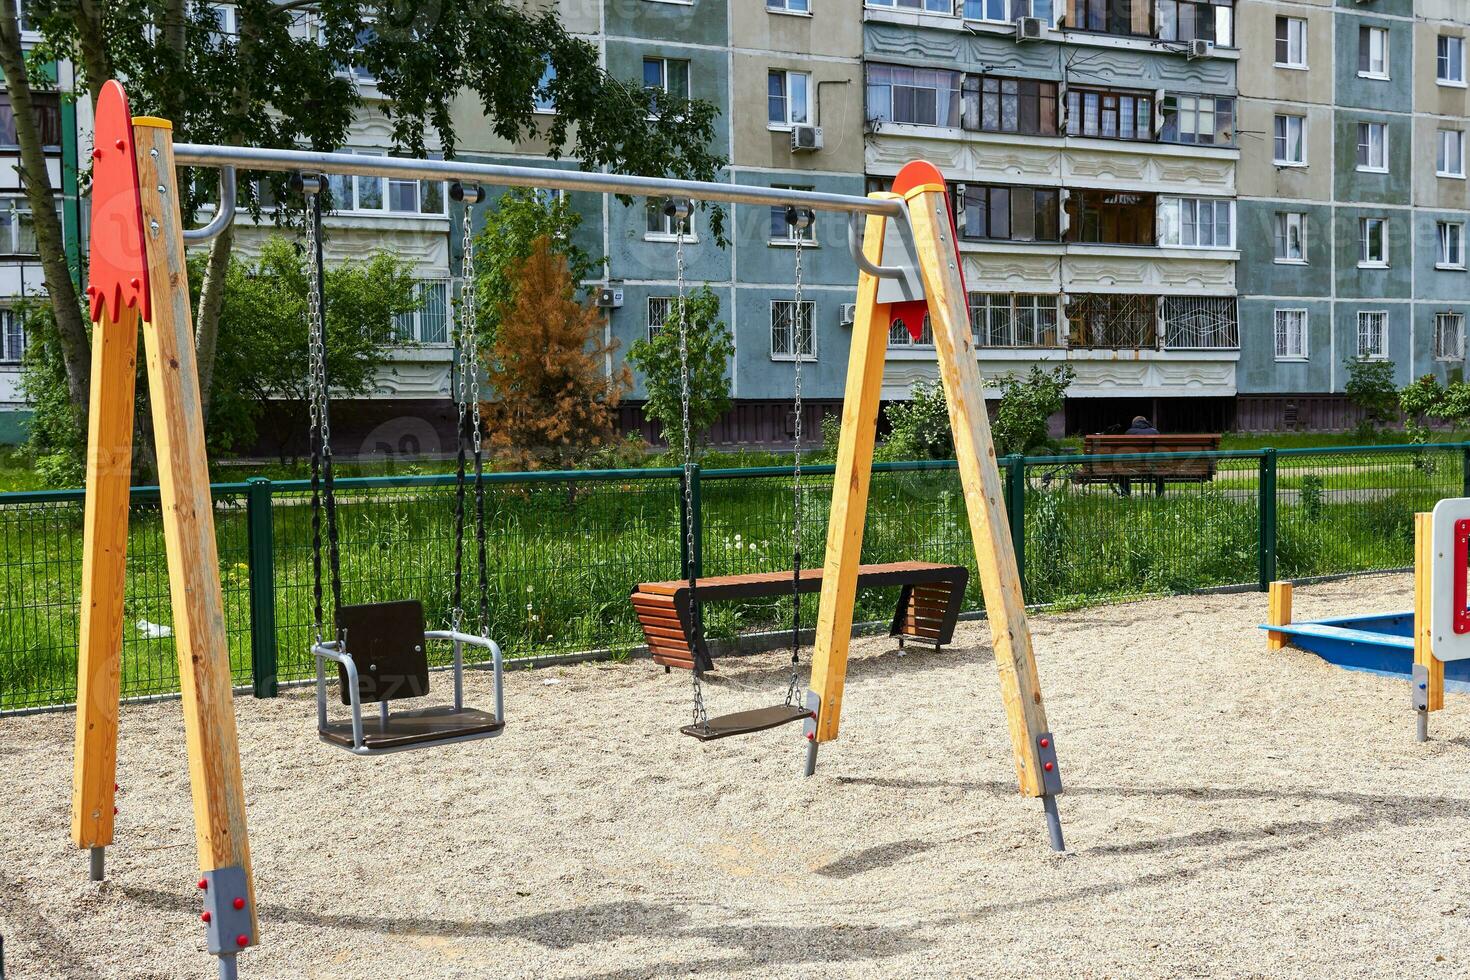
(709, 348)
(1026, 404)
(919, 427)
(1371, 390)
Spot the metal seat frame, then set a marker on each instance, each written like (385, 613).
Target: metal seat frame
(335, 651)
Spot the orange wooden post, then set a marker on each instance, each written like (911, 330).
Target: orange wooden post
(1279, 614)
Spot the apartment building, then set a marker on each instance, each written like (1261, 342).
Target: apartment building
(1352, 199)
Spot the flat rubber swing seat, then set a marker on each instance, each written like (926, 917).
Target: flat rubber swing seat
(745, 722)
(405, 728)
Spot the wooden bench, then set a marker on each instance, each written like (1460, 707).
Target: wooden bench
(928, 604)
(1100, 469)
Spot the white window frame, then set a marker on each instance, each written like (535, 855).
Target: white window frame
(1381, 33)
(1176, 214)
(919, 6)
(409, 327)
(788, 102)
(1367, 319)
(1453, 325)
(1364, 239)
(1283, 121)
(793, 8)
(668, 231)
(12, 337)
(808, 238)
(1006, 16)
(1282, 222)
(1286, 320)
(1441, 61)
(1296, 36)
(664, 63)
(1445, 234)
(347, 193)
(1365, 161)
(809, 353)
(657, 311)
(1444, 139)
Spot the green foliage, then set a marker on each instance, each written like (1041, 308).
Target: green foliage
(919, 427)
(260, 370)
(709, 347)
(1370, 389)
(1026, 403)
(1311, 497)
(57, 442)
(512, 227)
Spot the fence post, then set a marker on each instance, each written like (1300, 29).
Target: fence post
(1267, 518)
(262, 549)
(1016, 512)
(1465, 471)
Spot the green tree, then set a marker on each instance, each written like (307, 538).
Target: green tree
(709, 346)
(919, 427)
(1371, 390)
(1026, 404)
(56, 441)
(512, 227)
(278, 80)
(261, 375)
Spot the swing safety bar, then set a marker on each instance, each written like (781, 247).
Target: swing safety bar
(333, 650)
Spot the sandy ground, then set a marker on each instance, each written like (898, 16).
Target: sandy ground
(1230, 812)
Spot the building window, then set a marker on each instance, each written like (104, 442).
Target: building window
(1451, 238)
(386, 195)
(47, 109)
(996, 11)
(668, 75)
(1373, 335)
(790, 6)
(1110, 115)
(1291, 335)
(791, 331)
(1289, 140)
(17, 227)
(1201, 323)
(1449, 60)
(931, 6)
(1010, 105)
(1449, 159)
(1113, 320)
(788, 98)
(542, 96)
(1110, 217)
(1197, 222)
(12, 337)
(1198, 20)
(1373, 147)
(1372, 52)
(661, 226)
(1018, 214)
(1014, 320)
(660, 308)
(899, 336)
(1449, 336)
(1113, 16)
(1289, 235)
(782, 231)
(922, 96)
(1372, 242)
(429, 322)
(1291, 42)
(1204, 119)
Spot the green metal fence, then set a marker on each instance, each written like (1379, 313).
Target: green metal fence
(567, 548)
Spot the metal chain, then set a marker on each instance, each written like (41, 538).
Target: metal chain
(322, 495)
(461, 400)
(799, 219)
(680, 210)
(469, 312)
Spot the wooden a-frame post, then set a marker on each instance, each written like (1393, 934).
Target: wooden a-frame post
(146, 273)
(921, 187)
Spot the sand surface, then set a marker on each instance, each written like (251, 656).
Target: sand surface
(1229, 812)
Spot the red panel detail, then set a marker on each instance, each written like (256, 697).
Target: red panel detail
(917, 173)
(119, 271)
(1462, 558)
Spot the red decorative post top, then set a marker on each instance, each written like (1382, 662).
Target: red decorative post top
(118, 277)
(916, 174)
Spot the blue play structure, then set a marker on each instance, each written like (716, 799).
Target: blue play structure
(1379, 644)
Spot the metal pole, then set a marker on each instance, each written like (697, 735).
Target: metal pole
(1266, 513)
(1053, 822)
(1422, 726)
(811, 757)
(227, 967)
(261, 552)
(260, 158)
(98, 858)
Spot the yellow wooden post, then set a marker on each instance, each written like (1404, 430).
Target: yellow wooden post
(1423, 598)
(104, 556)
(188, 523)
(1278, 613)
(850, 488)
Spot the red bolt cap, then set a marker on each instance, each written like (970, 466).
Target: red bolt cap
(135, 282)
(239, 903)
(115, 786)
(242, 939)
(813, 715)
(203, 882)
(1049, 767)
(811, 737)
(96, 154)
(1045, 742)
(120, 144)
(114, 811)
(205, 917)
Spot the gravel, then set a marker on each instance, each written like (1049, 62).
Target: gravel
(1230, 812)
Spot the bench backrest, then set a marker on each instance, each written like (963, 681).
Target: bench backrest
(1103, 446)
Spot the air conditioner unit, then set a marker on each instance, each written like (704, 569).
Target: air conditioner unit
(1200, 48)
(609, 298)
(849, 314)
(1028, 29)
(806, 139)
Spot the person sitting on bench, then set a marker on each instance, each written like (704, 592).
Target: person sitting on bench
(1141, 426)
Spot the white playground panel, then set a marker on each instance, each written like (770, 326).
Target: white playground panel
(1449, 615)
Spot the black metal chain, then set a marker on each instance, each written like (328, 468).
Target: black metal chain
(323, 496)
(799, 219)
(469, 423)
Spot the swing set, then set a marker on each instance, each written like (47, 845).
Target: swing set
(905, 247)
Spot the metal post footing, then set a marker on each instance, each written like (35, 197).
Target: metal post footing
(811, 758)
(1419, 691)
(1053, 822)
(97, 859)
(228, 969)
